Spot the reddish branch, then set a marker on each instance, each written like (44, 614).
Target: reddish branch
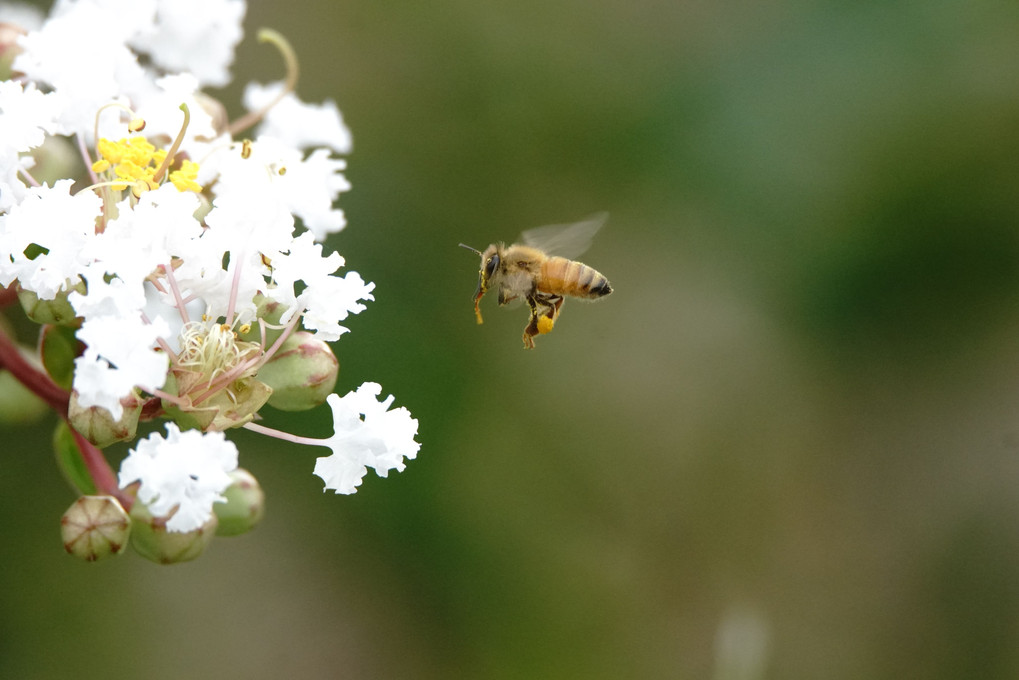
(35, 379)
(99, 469)
(32, 377)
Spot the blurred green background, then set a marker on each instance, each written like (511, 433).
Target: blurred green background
(787, 446)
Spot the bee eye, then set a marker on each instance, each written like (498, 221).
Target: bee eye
(491, 265)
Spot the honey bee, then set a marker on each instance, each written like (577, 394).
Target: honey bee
(540, 270)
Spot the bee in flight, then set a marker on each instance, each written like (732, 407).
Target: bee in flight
(540, 270)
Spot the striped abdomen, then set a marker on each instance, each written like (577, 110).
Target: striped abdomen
(560, 276)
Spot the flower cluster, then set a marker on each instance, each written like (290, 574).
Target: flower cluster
(186, 260)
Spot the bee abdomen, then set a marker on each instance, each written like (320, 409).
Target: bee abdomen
(560, 276)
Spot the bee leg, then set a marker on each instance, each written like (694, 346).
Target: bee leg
(544, 310)
(533, 327)
(530, 331)
(554, 302)
(551, 303)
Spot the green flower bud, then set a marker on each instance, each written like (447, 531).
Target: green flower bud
(269, 311)
(244, 507)
(154, 542)
(97, 425)
(301, 374)
(95, 527)
(57, 311)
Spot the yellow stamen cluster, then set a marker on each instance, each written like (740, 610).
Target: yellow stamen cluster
(186, 178)
(133, 159)
(136, 161)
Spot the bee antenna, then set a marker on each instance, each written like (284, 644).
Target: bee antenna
(473, 250)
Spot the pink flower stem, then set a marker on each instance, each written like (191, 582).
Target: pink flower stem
(181, 304)
(285, 436)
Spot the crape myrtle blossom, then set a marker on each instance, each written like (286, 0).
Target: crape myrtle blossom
(88, 50)
(27, 116)
(298, 123)
(183, 257)
(185, 471)
(58, 223)
(381, 440)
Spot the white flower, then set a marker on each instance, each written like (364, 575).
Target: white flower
(297, 123)
(143, 236)
(159, 106)
(302, 262)
(84, 52)
(121, 354)
(26, 117)
(311, 186)
(195, 36)
(276, 178)
(250, 211)
(80, 52)
(49, 217)
(330, 300)
(107, 296)
(186, 470)
(253, 215)
(326, 299)
(145, 248)
(380, 441)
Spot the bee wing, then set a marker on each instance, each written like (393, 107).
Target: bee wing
(565, 240)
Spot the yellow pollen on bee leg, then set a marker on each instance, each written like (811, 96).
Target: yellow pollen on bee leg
(545, 324)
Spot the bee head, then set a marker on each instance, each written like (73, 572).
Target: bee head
(489, 265)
